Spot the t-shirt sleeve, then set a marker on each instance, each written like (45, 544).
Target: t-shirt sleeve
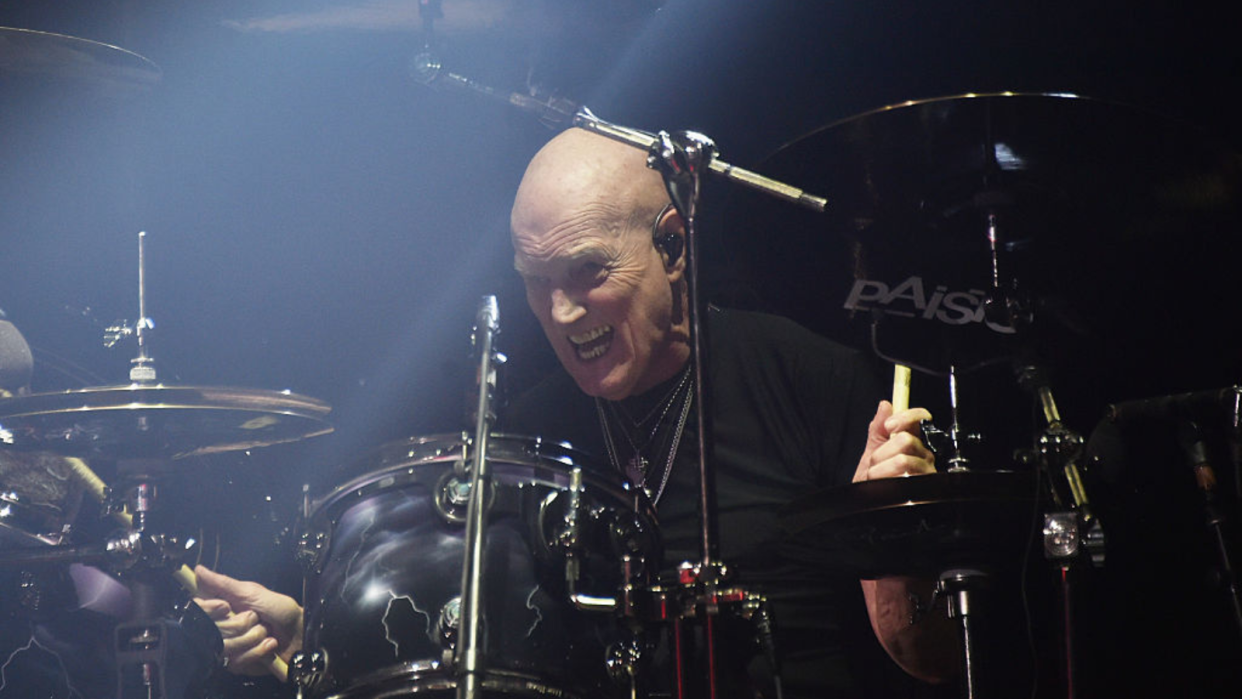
(838, 391)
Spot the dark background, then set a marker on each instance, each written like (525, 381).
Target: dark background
(319, 221)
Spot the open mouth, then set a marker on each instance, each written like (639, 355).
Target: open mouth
(592, 343)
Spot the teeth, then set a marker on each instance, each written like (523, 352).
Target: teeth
(588, 345)
(590, 334)
(593, 353)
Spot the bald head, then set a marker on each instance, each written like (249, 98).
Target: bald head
(578, 168)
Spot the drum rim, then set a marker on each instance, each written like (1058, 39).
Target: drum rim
(416, 676)
(549, 454)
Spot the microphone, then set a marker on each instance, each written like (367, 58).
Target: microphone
(553, 112)
(1181, 405)
(488, 316)
(16, 361)
(483, 340)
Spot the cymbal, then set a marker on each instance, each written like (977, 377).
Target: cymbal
(921, 525)
(1110, 224)
(158, 422)
(43, 55)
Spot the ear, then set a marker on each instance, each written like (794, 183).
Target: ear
(670, 241)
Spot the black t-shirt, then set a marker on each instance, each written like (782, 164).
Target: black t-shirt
(790, 416)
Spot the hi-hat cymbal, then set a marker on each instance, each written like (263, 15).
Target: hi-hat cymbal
(47, 56)
(1114, 228)
(922, 525)
(158, 422)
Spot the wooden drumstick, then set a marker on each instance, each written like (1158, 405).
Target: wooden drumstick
(184, 575)
(901, 388)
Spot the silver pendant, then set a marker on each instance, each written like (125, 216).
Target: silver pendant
(636, 468)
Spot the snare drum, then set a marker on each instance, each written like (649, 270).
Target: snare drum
(384, 553)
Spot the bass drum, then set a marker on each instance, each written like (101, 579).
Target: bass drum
(384, 553)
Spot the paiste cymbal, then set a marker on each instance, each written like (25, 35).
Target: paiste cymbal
(158, 422)
(921, 525)
(45, 57)
(1114, 229)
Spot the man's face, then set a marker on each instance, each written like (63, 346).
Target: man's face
(602, 294)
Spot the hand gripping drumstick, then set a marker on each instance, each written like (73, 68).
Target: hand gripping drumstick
(901, 388)
(184, 575)
(189, 582)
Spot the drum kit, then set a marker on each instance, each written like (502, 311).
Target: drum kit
(960, 219)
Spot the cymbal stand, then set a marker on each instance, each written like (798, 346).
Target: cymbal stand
(958, 587)
(141, 371)
(150, 645)
(1192, 443)
(681, 162)
(962, 587)
(681, 159)
(954, 439)
(1071, 530)
(469, 662)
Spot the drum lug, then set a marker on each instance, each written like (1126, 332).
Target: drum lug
(568, 538)
(450, 619)
(308, 670)
(453, 496)
(310, 550)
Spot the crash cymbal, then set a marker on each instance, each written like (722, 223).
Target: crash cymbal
(1114, 229)
(45, 56)
(158, 422)
(921, 525)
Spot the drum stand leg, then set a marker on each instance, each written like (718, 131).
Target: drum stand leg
(1067, 614)
(958, 587)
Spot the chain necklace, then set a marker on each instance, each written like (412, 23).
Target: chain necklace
(637, 468)
(619, 411)
(638, 465)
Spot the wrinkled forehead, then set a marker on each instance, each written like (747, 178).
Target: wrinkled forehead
(564, 259)
(591, 233)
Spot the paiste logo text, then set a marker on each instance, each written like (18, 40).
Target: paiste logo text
(909, 299)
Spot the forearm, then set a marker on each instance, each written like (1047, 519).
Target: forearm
(928, 648)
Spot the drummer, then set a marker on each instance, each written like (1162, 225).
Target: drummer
(601, 252)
